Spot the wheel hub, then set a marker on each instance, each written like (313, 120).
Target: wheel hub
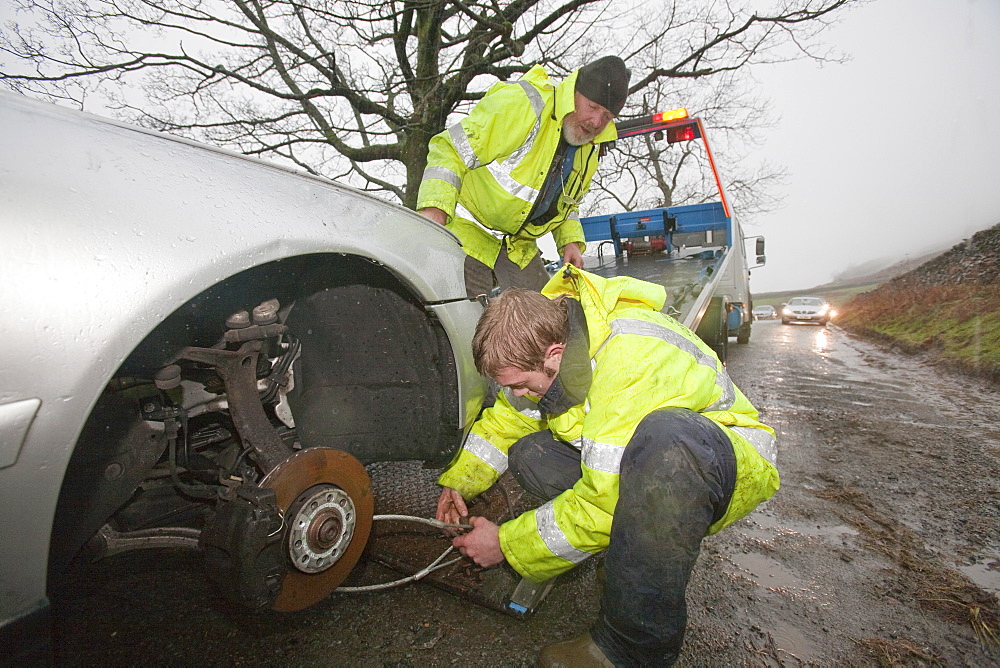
(320, 527)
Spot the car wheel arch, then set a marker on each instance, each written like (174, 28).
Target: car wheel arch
(407, 332)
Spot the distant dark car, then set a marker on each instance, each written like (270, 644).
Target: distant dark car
(765, 312)
(806, 309)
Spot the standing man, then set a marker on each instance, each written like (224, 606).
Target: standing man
(517, 167)
(632, 429)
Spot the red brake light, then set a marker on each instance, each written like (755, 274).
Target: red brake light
(683, 133)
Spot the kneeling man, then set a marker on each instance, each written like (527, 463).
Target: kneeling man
(632, 429)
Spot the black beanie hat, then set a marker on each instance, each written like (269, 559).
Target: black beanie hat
(605, 81)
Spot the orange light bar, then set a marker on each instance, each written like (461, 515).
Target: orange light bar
(673, 115)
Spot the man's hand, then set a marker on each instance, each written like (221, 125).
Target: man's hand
(451, 507)
(572, 255)
(435, 214)
(482, 544)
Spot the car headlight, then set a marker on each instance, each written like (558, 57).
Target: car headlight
(786, 311)
(822, 310)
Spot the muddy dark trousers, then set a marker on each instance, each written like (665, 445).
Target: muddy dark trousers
(481, 279)
(676, 478)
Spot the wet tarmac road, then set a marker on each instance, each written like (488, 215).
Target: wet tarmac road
(888, 472)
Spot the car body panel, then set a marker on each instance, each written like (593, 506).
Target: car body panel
(108, 230)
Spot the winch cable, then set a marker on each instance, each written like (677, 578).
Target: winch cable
(433, 566)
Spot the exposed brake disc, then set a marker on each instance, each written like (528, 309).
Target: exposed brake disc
(326, 498)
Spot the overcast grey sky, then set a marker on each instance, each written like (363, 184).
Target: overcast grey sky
(891, 153)
(888, 155)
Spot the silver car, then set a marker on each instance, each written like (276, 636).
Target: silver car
(806, 309)
(204, 350)
(765, 312)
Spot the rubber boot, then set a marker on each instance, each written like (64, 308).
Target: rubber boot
(577, 652)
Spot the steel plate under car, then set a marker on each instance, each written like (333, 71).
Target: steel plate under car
(406, 488)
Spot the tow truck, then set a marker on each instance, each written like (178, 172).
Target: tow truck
(696, 251)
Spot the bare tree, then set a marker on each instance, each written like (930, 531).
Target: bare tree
(354, 89)
(644, 172)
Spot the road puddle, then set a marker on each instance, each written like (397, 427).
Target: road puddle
(766, 527)
(986, 574)
(769, 574)
(792, 641)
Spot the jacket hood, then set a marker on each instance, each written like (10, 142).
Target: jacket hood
(602, 297)
(571, 387)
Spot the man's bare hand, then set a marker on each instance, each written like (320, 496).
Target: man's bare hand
(572, 255)
(482, 544)
(451, 507)
(435, 214)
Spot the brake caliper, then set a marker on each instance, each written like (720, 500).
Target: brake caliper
(242, 544)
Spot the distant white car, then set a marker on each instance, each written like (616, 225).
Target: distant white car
(765, 312)
(806, 309)
(203, 350)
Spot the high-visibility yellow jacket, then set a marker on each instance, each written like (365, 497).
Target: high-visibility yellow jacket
(642, 360)
(486, 171)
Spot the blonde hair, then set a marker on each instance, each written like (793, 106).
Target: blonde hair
(516, 329)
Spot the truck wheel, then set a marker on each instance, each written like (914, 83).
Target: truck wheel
(743, 335)
(714, 330)
(721, 346)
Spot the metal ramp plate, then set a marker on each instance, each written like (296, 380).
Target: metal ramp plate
(406, 488)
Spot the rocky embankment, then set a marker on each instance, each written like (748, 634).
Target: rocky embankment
(948, 308)
(974, 261)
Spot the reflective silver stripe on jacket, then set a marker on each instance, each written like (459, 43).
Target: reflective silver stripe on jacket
(765, 444)
(463, 147)
(644, 328)
(501, 171)
(538, 104)
(602, 457)
(522, 404)
(444, 174)
(553, 536)
(486, 451)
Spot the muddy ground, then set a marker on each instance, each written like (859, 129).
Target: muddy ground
(882, 547)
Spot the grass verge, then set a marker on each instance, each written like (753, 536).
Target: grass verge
(958, 323)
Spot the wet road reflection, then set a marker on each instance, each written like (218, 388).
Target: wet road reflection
(889, 444)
